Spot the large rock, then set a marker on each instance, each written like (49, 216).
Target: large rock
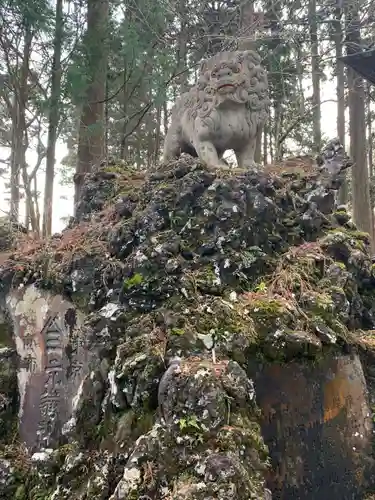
(317, 422)
(220, 311)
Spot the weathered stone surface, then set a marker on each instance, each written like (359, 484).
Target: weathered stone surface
(48, 377)
(292, 344)
(317, 423)
(242, 277)
(224, 110)
(195, 411)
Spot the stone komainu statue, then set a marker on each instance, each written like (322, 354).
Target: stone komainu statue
(224, 110)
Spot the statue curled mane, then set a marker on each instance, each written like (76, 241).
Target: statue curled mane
(224, 110)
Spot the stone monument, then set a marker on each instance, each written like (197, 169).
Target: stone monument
(48, 375)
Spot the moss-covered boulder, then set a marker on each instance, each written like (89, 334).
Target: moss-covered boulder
(189, 277)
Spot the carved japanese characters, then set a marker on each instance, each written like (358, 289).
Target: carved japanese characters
(224, 110)
(51, 365)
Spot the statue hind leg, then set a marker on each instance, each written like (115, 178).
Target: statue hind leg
(245, 155)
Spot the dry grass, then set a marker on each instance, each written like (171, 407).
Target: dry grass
(295, 269)
(302, 166)
(292, 278)
(366, 339)
(87, 238)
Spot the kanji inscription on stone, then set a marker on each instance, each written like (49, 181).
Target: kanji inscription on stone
(44, 328)
(51, 399)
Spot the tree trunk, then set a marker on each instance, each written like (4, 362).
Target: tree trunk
(278, 128)
(360, 182)
(123, 145)
(369, 133)
(315, 76)
(14, 166)
(183, 38)
(165, 117)
(340, 93)
(246, 42)
(157, 133)
(300, 77)
(150, 139)
(91, 144)
(27, 217)
(22, 97)
(54, 115)
(106, 115)
(265, 145)
(369, 117)
(247, 15)
(270, 138)
(35, 192)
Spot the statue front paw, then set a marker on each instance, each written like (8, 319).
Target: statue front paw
(221, 165)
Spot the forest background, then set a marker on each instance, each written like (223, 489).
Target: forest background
(86, 80)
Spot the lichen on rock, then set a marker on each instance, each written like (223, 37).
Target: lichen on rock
(218, 268)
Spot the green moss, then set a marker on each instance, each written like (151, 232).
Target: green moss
(20, 492)
(27, 483)
(352, 233)
(65, 450)
(190, 424)
(131, 425)
(164, 185)
(106, 427)
(177, 331)
(356, 239)
(267, 307)
(341, 265)
(81, 300)
(135, 280)
(335, 289)
(338, 327)
(39, 493)
(261, 287)
(116, 169)
(360, 235)
(206, 277)
(322, 304)
(243, 429)
(223, 321)
(5, 335)
(268, 313)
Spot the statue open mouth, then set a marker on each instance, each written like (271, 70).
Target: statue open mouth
(226, 86)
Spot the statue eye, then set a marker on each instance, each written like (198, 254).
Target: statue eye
(237, 68)
(213, 74)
